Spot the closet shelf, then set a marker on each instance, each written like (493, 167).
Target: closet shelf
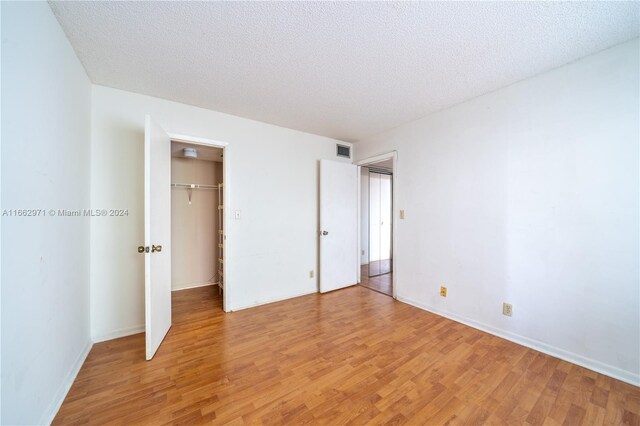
(220, 237)
(193, 186)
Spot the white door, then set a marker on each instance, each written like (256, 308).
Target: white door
(338, 225)
(157, 234)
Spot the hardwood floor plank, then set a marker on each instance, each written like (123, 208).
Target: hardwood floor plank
(352, 356)
(574, 415)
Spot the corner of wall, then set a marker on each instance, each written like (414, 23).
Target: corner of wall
(65, 386)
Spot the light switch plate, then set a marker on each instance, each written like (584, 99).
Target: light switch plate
(401, 214)
(236, 214)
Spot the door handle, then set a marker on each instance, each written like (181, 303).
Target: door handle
(325, 233)
(143, 249)
(156, 249)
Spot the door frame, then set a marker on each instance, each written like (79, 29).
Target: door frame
(195, 140)
(391, 155)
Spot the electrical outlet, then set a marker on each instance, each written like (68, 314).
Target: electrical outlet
(443, 291)
(310, 274)
(401, 214)
(507, 309)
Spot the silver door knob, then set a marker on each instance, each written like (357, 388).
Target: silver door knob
(325, 233)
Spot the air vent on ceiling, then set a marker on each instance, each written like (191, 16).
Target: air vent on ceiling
(343, 151)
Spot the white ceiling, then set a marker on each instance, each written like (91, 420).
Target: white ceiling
(341, 69)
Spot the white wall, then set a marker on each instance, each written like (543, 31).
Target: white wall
(46, 98)
(194, 227)
(273, 177)
(529, 195)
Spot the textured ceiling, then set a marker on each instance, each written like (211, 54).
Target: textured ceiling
(341, 69)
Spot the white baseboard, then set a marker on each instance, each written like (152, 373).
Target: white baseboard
(62, 392)
(266, 302)
(591, 364)
(123, 332)
(193, 285)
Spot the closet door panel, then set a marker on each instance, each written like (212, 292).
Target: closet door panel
(385, 224)
(157, 230)
(374, 224)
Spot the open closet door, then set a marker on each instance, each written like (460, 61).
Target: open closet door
(157, 234)
(339, 258)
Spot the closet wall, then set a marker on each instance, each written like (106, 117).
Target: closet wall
(194, 243)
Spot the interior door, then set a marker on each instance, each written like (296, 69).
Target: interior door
(338, 225)
(157, 234)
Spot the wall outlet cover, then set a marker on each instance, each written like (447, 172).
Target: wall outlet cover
(443, 291)
(507, 309)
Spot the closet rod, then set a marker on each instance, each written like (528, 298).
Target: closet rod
(193, 186)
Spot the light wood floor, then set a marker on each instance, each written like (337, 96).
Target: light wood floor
(382, 283)
(350, 356)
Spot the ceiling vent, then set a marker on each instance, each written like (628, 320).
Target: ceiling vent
(343, 151)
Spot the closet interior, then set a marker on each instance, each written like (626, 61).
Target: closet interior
(376, 197)
(197, 219)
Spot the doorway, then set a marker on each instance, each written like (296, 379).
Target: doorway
(197, 223)
(158, 226)
(376, 223)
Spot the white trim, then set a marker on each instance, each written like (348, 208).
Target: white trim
(194, 285)
(268, 301)
(359, 227)
(377, 158)
(63, 390)
(391, 155)
(122, 332)
(591, 364)
(196, 140)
